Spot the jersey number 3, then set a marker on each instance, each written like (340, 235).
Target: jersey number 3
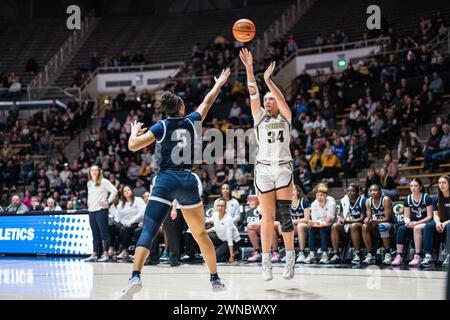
(272, 138)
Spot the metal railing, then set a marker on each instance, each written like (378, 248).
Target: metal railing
(64, 54)
(36, 94)
(332, 48)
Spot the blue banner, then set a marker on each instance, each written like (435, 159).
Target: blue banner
(46, 234)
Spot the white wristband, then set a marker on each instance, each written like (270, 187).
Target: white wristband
(254, 96)
(252, 84)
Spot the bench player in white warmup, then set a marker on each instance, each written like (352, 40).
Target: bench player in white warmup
(273, 168)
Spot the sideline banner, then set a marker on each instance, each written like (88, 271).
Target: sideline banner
(46, 234)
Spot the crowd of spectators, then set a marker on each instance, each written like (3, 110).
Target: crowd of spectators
(321, 145)
(10, 86)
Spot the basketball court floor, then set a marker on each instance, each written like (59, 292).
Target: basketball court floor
(71, 278)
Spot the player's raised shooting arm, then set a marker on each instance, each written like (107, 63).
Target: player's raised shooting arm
(276, 92)
(213, 94)
(255, 100)
(139, 138)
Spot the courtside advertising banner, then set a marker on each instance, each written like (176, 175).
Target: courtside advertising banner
(46, 234)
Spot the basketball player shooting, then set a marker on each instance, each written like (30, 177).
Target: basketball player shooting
(273, 168)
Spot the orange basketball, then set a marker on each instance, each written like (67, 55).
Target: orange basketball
(244, 30)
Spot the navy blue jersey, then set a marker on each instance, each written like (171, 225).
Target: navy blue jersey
(299, 211)
(175, 137)
(377, 212)
(358, 209)
(418, 209)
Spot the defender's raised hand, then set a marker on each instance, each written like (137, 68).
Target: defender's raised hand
(223, 78)
(136, 128)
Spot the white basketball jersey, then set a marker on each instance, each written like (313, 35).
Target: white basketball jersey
(273, 136)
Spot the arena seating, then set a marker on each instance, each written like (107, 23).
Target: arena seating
(21, 40)
(116, 33)
(354, 25)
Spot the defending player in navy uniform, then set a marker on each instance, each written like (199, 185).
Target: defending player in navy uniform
(377, 224)
(174, 180)
(353, 206)
(417, 211)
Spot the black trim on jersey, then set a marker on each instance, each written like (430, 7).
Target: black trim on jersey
(289, 123)
(262, 119)
(257, 135)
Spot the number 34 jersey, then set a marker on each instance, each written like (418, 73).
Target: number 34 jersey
(273, 136)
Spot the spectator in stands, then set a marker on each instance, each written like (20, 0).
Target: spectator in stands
(232, 208)
(32, 66)
(431, 147)
(140, 189)
(316, 162)
(351, 161)
(42, 183)
(206, 184)
(133, 172)
(95, 62)
(437, 86)
(228, 240)
(129, 213)
(388, 186)
(27, 167)
(372, 178)
(51, 206)
(46, 143)
(417, 211)
(98, 203)
(124, 59)
(221, 178)
(440, 225)
(331, 167)
(323, 214)
(35, 205)
(235, 114)
(26, 199)
(16, 207)
(291, 45)
(305, 176)
(235, 175)
(390, 166)
(377, 224)
(138, 59)
(7, 151)
(443, 154)
(14, 89)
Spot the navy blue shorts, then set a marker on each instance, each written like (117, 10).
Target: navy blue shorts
(184, 186)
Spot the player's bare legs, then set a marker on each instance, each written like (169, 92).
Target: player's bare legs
(288, 237)
(195, 220)
(268, 209)
(285, 195)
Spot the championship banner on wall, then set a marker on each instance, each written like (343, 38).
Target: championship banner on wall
(46, 234)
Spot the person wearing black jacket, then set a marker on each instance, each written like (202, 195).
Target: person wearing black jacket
(35, 205)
